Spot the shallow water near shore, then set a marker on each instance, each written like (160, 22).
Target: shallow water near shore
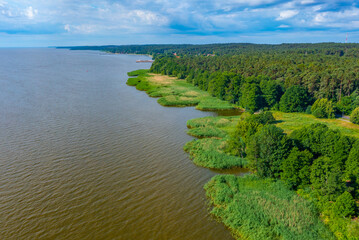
(84, 156)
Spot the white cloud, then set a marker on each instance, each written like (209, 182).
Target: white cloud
(251, 2)
(85, 28)
(286, 14)
(2, 3)
(147, 17)
(320, 18)
(7, 13)
(307, 2)
(283, 26)
(346, 19)
(67, 27)
(30, 12)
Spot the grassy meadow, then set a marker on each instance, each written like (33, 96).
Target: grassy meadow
(174, 92)
(293, 121)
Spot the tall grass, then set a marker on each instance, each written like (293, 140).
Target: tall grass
(220, 122)
(209, 153)
(207, 132)
(256, 208)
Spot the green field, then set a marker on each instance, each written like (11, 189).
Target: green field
(293, 121)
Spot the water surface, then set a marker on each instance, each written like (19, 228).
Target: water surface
(84, 156)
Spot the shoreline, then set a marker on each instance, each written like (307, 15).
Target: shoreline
(234, 200)
(208, 149)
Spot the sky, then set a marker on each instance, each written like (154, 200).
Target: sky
(43, 23)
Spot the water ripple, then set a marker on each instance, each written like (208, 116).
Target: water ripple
(84, 156)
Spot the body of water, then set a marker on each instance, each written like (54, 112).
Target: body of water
(84, 156)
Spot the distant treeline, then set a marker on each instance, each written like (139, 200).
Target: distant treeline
(350, 49)
(325, 70)
(256, 76)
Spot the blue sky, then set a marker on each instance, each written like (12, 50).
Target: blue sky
(41, 23)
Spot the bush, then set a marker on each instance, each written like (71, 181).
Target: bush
(354, 117)
(323, 108)
(345, 205)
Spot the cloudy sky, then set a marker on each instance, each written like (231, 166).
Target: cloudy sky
(26, 23)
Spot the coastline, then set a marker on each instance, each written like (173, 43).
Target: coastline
(227, 191)
(208, 150)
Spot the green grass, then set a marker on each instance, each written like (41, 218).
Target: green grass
(254, 208)
(207, 132)
(177, 101)
(212, 103)
(219, 122)
(293, 121)
(134, 81)
(142, 72)
(209, 153)
(175, 92)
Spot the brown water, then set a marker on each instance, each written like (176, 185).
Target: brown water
(83, 156)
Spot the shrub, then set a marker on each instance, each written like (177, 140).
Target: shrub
(354, 117)
(345, 205)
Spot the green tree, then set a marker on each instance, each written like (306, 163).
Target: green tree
(251, 97)
(267, 149)
(326, 179)
(233, 91)
(296, 168)
(311, 137)
(354, 117)
(323, 108)
(352, 167)
(345, 105)
(344, 205)
(295, 99)
(272, 92)
(246, 127)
